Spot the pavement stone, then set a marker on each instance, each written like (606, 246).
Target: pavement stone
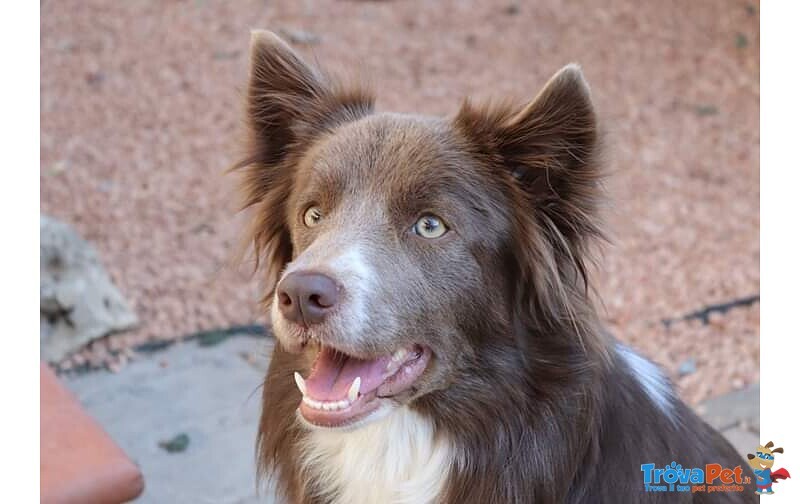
(745, 441)
(733, 409)
(212, 394)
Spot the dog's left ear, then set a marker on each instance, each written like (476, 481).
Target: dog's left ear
(545, 157)
(549, 146)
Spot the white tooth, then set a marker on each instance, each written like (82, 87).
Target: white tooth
(326, 406)
(343, 404)
(399, 355)
(301, 383)
(307, 400)
(352, 394)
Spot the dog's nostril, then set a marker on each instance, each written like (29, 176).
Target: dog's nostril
(320, 301)
(307, 297)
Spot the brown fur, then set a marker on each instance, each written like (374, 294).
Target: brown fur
(525, 383)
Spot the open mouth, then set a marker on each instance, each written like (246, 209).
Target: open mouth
(342, 389)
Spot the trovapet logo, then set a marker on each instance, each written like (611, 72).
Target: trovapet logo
(711, 478)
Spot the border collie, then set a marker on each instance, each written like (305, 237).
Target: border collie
(436, 338)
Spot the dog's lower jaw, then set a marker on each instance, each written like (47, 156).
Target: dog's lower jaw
(395, 456)
(382, 410)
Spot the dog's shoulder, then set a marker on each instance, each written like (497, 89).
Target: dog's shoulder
(642, 421)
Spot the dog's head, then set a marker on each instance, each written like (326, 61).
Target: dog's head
(408, 251)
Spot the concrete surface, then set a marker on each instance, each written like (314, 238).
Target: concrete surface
(211, 393)
(737, 416)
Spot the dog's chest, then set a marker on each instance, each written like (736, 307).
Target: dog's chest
(393, 460)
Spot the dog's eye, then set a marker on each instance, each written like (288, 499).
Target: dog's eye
(430, 226)
(312, 216)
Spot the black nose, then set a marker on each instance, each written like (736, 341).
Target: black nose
(307, 298)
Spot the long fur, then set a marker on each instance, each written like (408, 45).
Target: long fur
(533, 402)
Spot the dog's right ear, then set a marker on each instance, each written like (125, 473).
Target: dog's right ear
(750, 456)
(289, 104)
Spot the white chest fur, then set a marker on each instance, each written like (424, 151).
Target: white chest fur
(394, 460)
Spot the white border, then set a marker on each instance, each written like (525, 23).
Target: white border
(780, 252)
(780, 248)
(19, 270)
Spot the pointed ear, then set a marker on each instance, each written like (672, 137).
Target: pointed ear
(289, 105)
(546, 156)
(289, 102)
(549, 146)
(777, 450)
(750, 456)
(769, 444)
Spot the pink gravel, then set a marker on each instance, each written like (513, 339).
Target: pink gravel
(140, 117)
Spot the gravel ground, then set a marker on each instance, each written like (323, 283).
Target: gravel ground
(140, 117)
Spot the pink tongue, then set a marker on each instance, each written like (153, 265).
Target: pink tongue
(333, 373)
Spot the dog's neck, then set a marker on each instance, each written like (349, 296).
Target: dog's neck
(398, 458)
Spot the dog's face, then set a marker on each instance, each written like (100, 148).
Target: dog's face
(396, 218)
(404, 242)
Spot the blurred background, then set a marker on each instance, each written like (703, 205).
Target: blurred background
(141, 114)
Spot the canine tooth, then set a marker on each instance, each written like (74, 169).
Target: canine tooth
(301, 383)
(352, 394)
(343, 403)
(399, 355)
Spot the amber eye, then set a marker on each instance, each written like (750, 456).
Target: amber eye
(429, 226)
(312, 216)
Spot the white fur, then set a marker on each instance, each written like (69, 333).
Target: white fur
(651, 379)
(349, 268)
(354, 272)
(396, 459)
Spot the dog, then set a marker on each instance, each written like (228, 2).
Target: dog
(427, 286)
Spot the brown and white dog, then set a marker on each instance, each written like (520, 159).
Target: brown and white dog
(436, 337)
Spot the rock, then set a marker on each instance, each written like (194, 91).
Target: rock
(78, 301)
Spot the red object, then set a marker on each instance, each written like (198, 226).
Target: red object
(779, 474)
(78, 461)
